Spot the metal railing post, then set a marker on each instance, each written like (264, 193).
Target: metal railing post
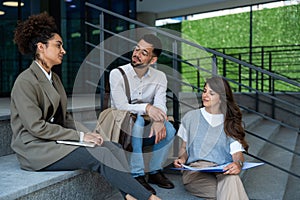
(240, 74)
(262, 66)
(250, 46)
(224, 65)
(175, 74)
(214, 65)
(198, 75)
(270, 70)
(175, 96)
(273, 101)
(101, 59)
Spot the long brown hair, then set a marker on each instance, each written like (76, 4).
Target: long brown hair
(233, 126)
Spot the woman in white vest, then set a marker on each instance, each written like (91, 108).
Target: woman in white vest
(213, 135)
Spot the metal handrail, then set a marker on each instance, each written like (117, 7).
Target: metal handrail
(186, 62)
(195, 45)
(215, 53)
(273, 165)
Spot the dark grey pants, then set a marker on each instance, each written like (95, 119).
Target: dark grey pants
(110, 161)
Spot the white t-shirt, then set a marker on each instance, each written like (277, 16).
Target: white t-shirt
(214, 120)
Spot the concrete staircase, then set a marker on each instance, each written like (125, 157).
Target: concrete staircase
(269, 182)
(264, 182)
(24, 185)
(20, 184)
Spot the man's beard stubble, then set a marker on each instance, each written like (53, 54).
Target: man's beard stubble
(140, 65)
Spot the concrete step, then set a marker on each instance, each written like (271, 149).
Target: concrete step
(188, 101)
(262, 128)
(268, 182)
(177, 193)
(263, 182)
(4, 108)
(292, 189)
(19, 184)
(251, 120)
(5, 137)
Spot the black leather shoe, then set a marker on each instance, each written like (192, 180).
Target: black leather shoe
(143, 182)
(160, 180)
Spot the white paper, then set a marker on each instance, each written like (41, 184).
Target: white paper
(219, 168)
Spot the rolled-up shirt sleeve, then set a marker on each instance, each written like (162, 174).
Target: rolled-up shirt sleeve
(160, 95)
(182, 133)
(236, 147)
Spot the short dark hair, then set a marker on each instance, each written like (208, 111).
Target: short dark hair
(155, 41)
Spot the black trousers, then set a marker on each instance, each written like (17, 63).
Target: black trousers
(110, 161)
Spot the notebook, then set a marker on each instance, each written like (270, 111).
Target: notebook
(85, 144)
(218, 168)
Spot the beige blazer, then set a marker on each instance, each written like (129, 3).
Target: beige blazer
(34, 102)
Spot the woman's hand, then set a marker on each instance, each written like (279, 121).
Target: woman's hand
(182, 156)
(233, 168)
(93, 138)
(236, 166)
(178, 162)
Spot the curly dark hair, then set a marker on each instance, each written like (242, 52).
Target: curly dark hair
(233, 126)
(37, 28)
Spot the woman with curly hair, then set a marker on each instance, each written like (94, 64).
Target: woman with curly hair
(39, 116)
(213, 135)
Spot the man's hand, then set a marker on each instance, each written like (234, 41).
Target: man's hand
(159, 130)
(178, 162)
(155, 113)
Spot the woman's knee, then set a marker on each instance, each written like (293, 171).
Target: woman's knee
(200, 190)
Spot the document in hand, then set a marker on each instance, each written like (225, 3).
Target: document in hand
(84, 144)
(218, 168)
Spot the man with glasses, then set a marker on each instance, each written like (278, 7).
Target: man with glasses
(148, 88)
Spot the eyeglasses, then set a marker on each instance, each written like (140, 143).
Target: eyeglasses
(144, 52)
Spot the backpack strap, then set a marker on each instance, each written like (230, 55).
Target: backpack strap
(127, 89)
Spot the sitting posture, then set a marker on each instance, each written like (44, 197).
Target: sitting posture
(148, 88)
(213, 135)
(39, 116)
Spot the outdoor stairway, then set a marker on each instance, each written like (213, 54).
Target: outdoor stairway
(264, 182)
(268, 182)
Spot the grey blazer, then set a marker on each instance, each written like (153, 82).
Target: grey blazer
(34, 102)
